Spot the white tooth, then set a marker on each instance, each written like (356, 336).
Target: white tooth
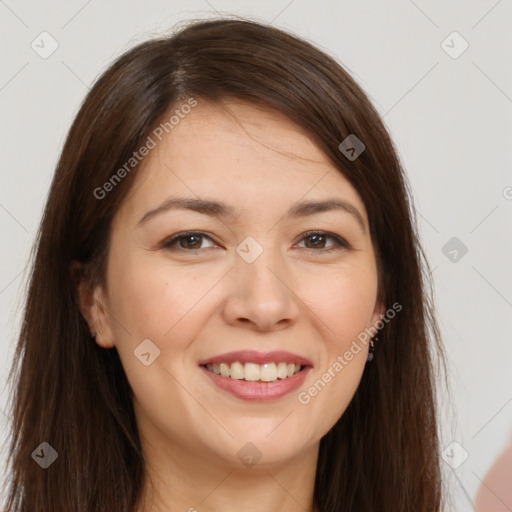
(282, 371)
(268, 372)
(252, 371)
(237, 371)
(224, 369)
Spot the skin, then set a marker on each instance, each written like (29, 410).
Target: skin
(196, 304)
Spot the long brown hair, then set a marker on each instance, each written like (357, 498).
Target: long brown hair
(383, 453)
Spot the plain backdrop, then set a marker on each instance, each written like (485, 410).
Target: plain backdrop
(449, 112)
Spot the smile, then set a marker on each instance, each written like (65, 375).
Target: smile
(268, 372)
(256, 376)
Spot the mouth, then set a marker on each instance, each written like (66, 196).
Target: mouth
(257, 376)
(252, 372)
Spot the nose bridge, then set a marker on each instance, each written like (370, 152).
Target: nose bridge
(261, 291)
(258, 263)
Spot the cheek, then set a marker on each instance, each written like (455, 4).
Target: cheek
(326, 397)
(151, 301)
(166, 305)
(344, 303)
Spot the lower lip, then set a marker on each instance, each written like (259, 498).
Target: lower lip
(257, 391)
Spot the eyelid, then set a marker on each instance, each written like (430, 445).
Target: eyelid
(166, 244)
(340, 243)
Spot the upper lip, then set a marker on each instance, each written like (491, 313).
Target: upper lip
(253, 356)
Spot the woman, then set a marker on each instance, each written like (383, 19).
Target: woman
(284, 365)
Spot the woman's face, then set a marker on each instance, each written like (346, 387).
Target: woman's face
(250, 289)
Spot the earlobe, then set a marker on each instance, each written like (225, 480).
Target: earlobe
(101, 321)
(378, 313)
(91, 304)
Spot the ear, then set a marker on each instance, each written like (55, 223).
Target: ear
(93, 305)
(378, 312)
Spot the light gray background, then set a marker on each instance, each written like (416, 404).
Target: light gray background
(450, 119)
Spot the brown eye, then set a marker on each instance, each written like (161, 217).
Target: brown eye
(190, 242)
(185, 241)
(317, 240)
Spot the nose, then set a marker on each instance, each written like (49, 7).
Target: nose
(261, 294)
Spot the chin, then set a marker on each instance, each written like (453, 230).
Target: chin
(262, 448)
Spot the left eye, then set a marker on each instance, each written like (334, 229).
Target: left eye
(192, 241)
(321, 236)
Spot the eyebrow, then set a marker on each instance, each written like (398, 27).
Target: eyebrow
(218, 209)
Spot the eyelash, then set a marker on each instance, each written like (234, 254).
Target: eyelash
(339, 242)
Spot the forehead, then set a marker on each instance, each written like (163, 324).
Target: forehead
(250, 157)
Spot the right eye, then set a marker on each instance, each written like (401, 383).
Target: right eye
(192, 241)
